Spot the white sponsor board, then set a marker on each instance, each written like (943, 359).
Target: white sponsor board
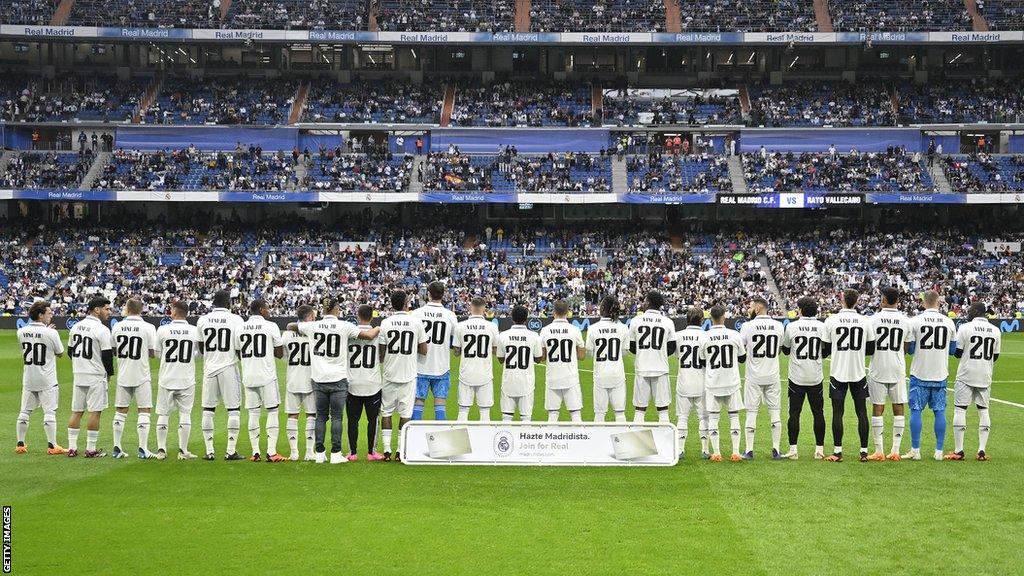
(540, 443)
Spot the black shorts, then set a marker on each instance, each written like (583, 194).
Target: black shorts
(858, 389)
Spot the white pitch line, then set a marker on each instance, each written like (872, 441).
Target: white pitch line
(1007, 402)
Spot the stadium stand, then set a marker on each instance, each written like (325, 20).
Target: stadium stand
(394, 102)
(599, 16)
(892, 171)
(982, 172)
(298, 14)
(961, 100)
(449, 15)
(748, 16)
(222, 101)
(364, 173)
(190, 169)
(898, 15)
(523, 104)
(35, 12)
(151, 13)
(698, 173)
(818, 103)
(46, 170)
(510, 171)
(650, 108)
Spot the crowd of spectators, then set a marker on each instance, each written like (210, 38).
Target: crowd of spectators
(894, 170)
(597, 16)
(621, 109)
(246, 168)
(223, 101)
(693, 173)
(388, 101)
(898, 15)
(516, 103)
(1002, 14)
(448, 16)
(32, 12)
(146, 13)
(46, 170)
(374, 172)
(820, 103)
(961, 100)
(748, 16)
(297, 14)
(983, 172)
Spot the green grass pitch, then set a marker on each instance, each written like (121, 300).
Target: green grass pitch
(763, 517)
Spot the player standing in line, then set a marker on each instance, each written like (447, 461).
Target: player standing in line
(853, 339)
(978, 343)
(519, 349)
(475, 341)
(887, 374)
(40, 348)
(218, 332)
(931, 334)
(762, 336)
(563, 349)
(364, 389)
(722, 353)
(434, 367)
(403, 341)
(652, 338)
(134, 345)
(329, 371)
(92, 361)
(607, 341)
(690, 381)
(177, 345)
(259, 345)
(804, 343)
(299, 386)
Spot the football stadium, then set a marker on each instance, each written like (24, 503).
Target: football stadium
(512, 287)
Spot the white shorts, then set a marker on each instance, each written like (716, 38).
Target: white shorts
(879, 391)
(143, 395)
(175, 399)
(731, 403)
(572, 397)
(45, 399)
(510, 403)
(293, 401)
(646, 387)
(483, 395)
(770, 394)
(398, 398)
(687, 404)
(89, 394)
(965, 395)
(224, 387)
(268, 395)
(615, 396)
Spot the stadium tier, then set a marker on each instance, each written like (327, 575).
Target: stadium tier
(891, 171)
(899, 15)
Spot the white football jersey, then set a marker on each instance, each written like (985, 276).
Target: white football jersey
(849, 333)
(329, 338)
(87, 339)
(298, 374)
(518, 348)
(804, 338)
(219, 332)
(255, 342)
(363, 367)
(476, 338)
(40, 345)
(762, 336)
(892, 331)
(690, 378)
(560, 340)
(607, 342)
(401, 335)
(133, 339)
(177, 345)
(980, 342)
(721, 353)
(650, 333)
(439, 324)
(932, 331)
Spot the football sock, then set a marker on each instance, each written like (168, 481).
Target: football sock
(162, 422)
(310, 432)
(463, 413)
(878, 430)
(91, 436)
(184, 431)
(22, 425)
(273, 427)
(208, 430)
(234, 426)
(552, 415)
(682, 428)
(620, 416)
(940, 429)
(916, 423)
(575, 416)
(713, 432)
(734, 431)
(485, 414)
(599, 416)
(254, 431)
(984, 425)
(639, 415)
(72, 438)
(292, 431)
(417, 412)
(898, 425)
(750, 429)
(440, 411)
(144, 430)
(703, 431)
(662, 414)
(959, 427)
(119, 420)
(776, 417)
(50, 427)
(386, 437)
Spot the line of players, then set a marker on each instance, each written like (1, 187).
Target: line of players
(334, 366)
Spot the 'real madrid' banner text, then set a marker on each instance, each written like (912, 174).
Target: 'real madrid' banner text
(540, 443)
